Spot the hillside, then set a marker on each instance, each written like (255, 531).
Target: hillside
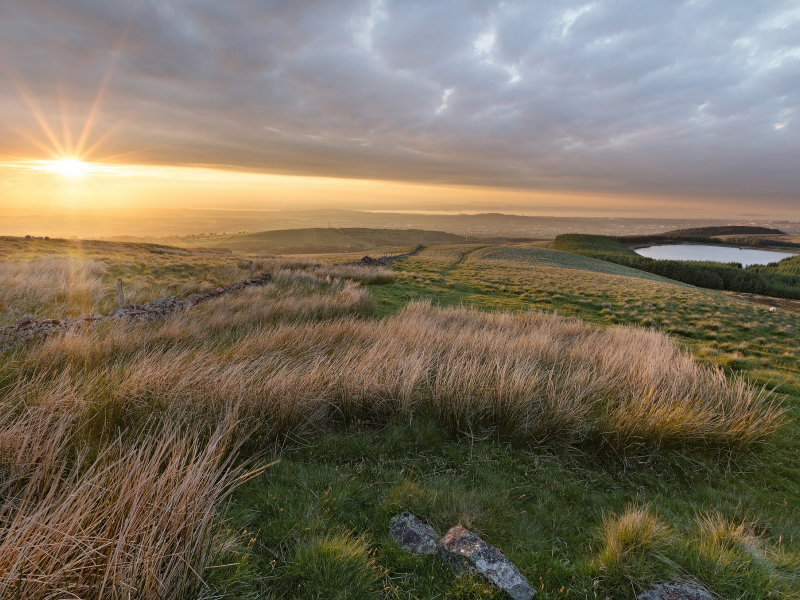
(516, 255)
(320, 239)
(778, 280)
(724, 230)
(606, 430)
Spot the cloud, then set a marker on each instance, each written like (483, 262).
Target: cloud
(631, 97)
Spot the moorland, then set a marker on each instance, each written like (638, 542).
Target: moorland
(606, 427)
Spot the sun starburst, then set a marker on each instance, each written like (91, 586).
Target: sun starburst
(69, 167)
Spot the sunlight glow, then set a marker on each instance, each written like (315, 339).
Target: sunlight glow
(68, 167)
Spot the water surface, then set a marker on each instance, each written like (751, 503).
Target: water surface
(722, 254)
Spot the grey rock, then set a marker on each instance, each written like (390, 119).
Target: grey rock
(413, 535)
(463, 549)
(91, 317)
(671, 591)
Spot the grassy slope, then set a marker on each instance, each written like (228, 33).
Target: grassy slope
(331, 237)
(316, 523)
(87, 273)
(772, 280)
(542, 506)
(509, 255)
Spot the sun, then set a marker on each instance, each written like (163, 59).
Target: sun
(69, 167)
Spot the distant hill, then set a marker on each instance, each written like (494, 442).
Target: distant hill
(324, 239)
(724, 230)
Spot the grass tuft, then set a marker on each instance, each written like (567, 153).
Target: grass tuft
(335, 565)
(629, 542)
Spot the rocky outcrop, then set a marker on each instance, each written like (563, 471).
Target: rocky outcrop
(670, 591)
(463, 549)
(413, 535)
(29, 328)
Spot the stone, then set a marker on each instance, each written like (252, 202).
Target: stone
(91, 317)
(413, 535)
(462, 549)
(26, 320)
(673, 591)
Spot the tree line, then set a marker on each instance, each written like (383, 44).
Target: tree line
(781, 280)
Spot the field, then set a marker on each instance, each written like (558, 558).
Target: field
(606, 428)
(778, 280)
(319, 239)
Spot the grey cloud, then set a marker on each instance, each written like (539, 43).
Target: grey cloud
(688, 98)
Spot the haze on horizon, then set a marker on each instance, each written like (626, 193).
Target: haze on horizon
(607, 107)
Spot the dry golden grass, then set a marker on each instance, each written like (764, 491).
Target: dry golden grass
(718, 534)
(69, 281)
(631, 549)
(627, 537)
(365, 275)
(117, 442)
(52, 283)
(299, 363)
(137, 520)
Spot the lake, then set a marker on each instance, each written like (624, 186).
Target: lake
(722, 254)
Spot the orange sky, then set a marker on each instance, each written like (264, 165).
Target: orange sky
(36, 185)
(679, 109)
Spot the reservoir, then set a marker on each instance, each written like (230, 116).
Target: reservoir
(722, 254)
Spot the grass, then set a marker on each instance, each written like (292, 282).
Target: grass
(323, 239)
(631, 546)
(139, 519)
(511, 255)
(771, 280)
(61, 278)
(516, 423)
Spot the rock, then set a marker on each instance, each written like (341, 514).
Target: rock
(24, 321)
(670, 591)
(413, 535)
(463, 549)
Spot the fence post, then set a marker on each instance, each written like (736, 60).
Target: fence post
(121, 295)
(251, 269)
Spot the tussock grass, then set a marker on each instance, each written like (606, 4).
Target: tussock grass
(118, 443)
(366, 275)
(528, 377)
(628, 542)
(136, 520)
(52, 283)
(718, 535)
(83, 281)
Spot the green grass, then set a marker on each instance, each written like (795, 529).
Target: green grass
(546, 508)
(513, 255)
(773, 280)
(315, 524)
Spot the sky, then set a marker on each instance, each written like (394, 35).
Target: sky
(639, 107)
